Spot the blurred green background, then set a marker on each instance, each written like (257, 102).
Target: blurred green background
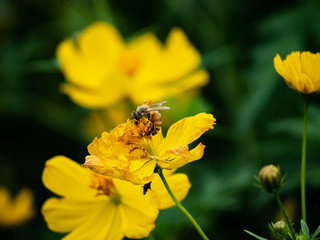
(259, 119)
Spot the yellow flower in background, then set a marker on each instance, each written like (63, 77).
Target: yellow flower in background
(97, 207)
(301, 71)
(127, 153)
(101, 69)
(18, 210)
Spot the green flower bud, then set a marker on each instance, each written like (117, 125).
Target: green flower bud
(270, 178)
(280, 228)
(300, 237)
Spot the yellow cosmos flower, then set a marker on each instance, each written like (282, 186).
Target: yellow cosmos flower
(301, 71)
(127, 153)
(97, 207)
(102, 69)
(18, 210)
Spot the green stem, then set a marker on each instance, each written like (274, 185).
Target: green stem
(303, 163)
(196, 225)
(285, 215)
(103, 11)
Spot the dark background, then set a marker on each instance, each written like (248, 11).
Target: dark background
(259, 119)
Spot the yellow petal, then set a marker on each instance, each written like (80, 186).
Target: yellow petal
(179, 185)
(178, 57)
(147, 49)
(87, 62)
(180, 156)
(137, 172)
(280, 67)
(187, 130)
(180, 61)
(305, 84)
(63, 215)
(103, 96)
(111, 157)
(90, 66)
(101, 43)
(182, 56)
(4, 198)
(18, 210)
(155, 143)
(67, 178)
(103, 224)
(138, 212)
(300, 71)
(157, 91)
(310, 65)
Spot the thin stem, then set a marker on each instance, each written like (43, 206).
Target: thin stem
(285, 215)
(103, 11)
(196, 225)
(303, 163)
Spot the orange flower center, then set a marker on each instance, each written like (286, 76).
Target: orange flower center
(103, 185)
(129, 62)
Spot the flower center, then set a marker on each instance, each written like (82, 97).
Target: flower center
(116, 198)
(129, 62)
(103, 185)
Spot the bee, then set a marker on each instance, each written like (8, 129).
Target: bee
(151, 112)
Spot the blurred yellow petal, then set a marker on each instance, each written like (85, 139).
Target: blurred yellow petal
(101, 43)
(89, 65)
(92, 57)
(67, 178)
(147, 50)
(157, 91)
(102, 225)
(178, 183)
(180, 61)
(106, 119)
(181, 56)
(106, 94)
(187, 130)
(16, 211)
(63, 215)
(101, 69)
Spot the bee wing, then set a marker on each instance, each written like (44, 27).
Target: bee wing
(159, 108)
(158, 103)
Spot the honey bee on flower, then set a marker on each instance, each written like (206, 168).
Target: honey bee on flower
(150, 112)
(127, 153)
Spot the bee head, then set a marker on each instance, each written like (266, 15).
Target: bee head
(142, 109)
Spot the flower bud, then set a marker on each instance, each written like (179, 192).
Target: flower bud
(280, 228)
(270, 178)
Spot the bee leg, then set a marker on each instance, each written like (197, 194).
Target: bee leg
(151, 130)
(135, 116)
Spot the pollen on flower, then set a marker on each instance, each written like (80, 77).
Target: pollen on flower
(144, 126)
(133, 131)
